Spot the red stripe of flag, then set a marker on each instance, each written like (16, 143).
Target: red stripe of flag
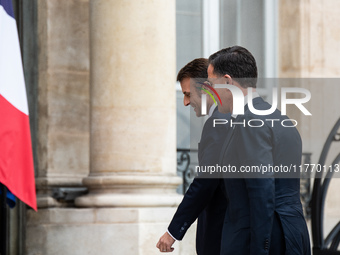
(16, 160)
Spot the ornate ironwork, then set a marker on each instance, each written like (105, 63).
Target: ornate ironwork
(305, 185)
(329, 244)
(184, 168)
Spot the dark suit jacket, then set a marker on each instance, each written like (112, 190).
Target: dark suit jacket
(205, 198)
(264, 215)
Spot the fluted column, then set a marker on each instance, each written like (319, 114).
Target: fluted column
(63, 97)
(132, 72)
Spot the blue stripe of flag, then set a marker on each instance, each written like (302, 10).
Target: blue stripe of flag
(7, 5)
(11, 200)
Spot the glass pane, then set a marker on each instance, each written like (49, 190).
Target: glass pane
(252, 34)
(188, 31)
(228, 24)
(189, 5)
(242, 24)
(189, 46)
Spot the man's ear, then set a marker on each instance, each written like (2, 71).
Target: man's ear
(229, 80)
(204, 87)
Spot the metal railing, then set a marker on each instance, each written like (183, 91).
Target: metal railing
(322, 245)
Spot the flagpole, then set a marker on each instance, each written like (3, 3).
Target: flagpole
(3, 221)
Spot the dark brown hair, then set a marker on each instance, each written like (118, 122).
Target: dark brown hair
(194, 69)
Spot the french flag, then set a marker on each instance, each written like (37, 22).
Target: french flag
(16, 160)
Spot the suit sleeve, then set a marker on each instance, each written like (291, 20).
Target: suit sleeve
(256, 147)
(194, 201)
(201, 189)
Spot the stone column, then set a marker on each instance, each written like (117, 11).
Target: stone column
(63, 97)
(133, 134)
(133, 125)
(133, 120)
(132, 151)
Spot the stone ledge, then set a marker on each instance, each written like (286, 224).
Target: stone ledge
(118, 231)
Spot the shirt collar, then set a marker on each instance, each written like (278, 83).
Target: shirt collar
(211, 110)
(254, 95)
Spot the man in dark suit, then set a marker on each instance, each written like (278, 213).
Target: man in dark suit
(204, 199)
(264, 214)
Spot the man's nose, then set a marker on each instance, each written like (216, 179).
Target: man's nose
(186, 101)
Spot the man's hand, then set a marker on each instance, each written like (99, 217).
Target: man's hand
(165, 242)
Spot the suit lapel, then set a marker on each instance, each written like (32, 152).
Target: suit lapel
(231, 130)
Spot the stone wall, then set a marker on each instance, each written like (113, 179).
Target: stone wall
(309, 47)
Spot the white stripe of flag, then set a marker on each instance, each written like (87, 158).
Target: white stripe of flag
(16, 160)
